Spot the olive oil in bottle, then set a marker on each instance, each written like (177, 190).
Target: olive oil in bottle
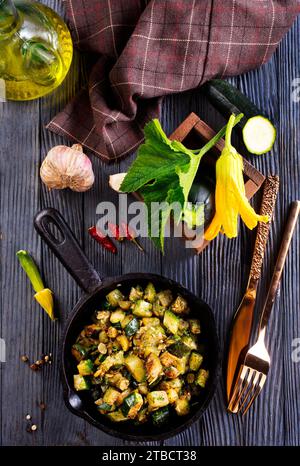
(35, 50)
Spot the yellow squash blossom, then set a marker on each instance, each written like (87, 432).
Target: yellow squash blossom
(230, 197)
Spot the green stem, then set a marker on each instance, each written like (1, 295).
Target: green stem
(233, 120)
(30, 267)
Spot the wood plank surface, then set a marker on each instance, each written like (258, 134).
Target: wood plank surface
(218, 275)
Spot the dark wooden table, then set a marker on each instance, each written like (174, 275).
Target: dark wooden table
(218, 275)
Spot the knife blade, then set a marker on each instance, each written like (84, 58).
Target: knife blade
(242, 321)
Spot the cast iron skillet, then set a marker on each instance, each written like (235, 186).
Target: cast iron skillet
(53, 229)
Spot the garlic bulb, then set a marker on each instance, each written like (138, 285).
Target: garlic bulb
(67, 167)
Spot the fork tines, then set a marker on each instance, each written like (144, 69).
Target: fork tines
(248, 386)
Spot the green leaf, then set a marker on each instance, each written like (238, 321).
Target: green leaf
(163, 172)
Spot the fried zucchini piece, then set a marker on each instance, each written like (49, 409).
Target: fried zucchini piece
(150, 293)
(153, 368)
(116, 359)
(81, 383)
(136, 367)
(195, 326)
(114, 297)
(171, 322)
(190, 341)
(142, 308)
(165, 298)
(180, 306)
(132, 404)
(125, 305)
(118, 381)
(116, 416)
(132, 327)
(202, 378)
(172, 395)
(160, 416)
(85, 367)
(117, 316)
(182, 406)
(195, 361)
(124, 342)
(110, 396)
(157, 399)
(136, 293)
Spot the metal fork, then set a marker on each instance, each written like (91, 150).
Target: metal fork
(255, 366)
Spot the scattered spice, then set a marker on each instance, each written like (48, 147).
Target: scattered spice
(42, 406)
(39, 363)
(28, 417)
(102, 239)
(34, 427)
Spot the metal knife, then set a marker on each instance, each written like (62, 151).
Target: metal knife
(242, 320)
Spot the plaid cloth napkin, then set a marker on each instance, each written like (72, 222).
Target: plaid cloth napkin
(148, 49)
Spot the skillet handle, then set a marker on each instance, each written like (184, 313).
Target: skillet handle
(53, 229)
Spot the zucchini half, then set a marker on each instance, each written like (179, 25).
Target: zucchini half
(259, 133)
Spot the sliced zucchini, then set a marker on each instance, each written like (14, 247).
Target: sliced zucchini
(160, 416)
(179, 349)
(136, 293)
(114, 297)
(104, 407)
(136, 367)
(150, 293)
(165, 298)
(174, 383)
(190, 341)
(116, 416)
(142, 308)
(180, 306)
(151, 321)
(172, 395)
(259, 135)
(118, 381)
(157, 399)
(110, 396)
(171, 322)
(169, 360)
(202, 378)
(182, 406)
(125, 305)
(117, 316)
(124, 342)
(132, 327)
(195, 361)
(195, 326)
(157, 308)
(81, 383)
(153, 368)
(85, 367)
(132, 404)
(79, 352)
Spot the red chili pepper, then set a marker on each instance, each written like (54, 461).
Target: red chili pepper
(115, 231)
(102, 239)
(130, 234)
